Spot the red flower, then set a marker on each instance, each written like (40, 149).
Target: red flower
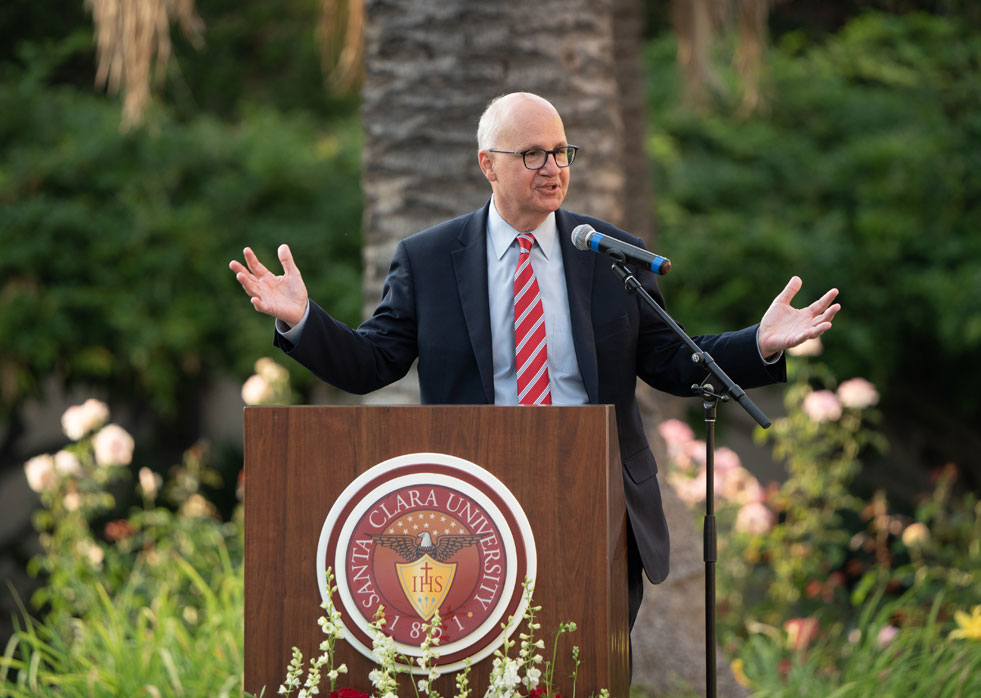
(800, 632)
(119, 529)
(540, 692)
(813, 589)
(347, 693)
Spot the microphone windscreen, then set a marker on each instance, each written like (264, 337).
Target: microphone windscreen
(580, 236)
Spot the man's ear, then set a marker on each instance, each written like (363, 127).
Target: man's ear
(486, 165)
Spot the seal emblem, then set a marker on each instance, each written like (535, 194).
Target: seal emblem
(422, 533)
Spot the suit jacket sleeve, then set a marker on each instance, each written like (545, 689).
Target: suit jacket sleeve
(377, 353)
(664, 361)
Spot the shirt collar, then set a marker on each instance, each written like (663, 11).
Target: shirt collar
(502, 235)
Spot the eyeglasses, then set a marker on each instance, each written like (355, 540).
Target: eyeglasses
(535, 158)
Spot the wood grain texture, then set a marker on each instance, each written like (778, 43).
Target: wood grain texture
(561, 463)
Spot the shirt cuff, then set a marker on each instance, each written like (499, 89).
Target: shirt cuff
(292, 334)
(768, 362)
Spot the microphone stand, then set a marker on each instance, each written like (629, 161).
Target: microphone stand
(710, 399)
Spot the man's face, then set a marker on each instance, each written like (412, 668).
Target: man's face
(525, 197)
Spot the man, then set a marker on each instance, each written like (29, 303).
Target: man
(469, 298)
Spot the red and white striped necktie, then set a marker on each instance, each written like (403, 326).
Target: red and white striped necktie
(529, 330)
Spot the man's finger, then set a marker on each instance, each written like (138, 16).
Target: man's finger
(829, 313)
(789, 291)
(818, 330)
(237, 267)
(249, 283)
(823, 302)
(255, 266)
(286, 259)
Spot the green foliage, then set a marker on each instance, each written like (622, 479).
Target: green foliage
(830, 594)
(915, 661)
(829, 549)
(802, 563)
(131, 645)
(150, 605)
(862, 173)
(255, 52)
(116, 247)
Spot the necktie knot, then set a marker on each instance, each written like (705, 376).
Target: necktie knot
(525, 241)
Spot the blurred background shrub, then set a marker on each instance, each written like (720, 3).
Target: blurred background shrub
(114, 273)
(861, 172)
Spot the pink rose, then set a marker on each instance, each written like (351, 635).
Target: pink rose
(740, 486)
(675, 432)
(690, 490)
(113, 446)
(822, 406)
(726, 460)
(886, 635)
(755, 519)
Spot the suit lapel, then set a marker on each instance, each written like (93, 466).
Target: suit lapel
(580, 268)
(470, 266)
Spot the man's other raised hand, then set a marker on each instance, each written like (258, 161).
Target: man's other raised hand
(284, 297)
(784, 326)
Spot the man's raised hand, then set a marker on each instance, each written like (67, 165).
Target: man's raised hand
(284, 297)
(784, 326)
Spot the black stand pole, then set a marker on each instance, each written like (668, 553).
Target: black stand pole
(710, 398)
(709, 541)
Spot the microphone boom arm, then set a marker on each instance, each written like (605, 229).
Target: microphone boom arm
(633, 286)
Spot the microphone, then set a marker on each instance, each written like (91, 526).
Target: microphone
(585, 237)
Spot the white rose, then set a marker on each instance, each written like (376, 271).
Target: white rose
(198, 507)
(916, 534)
(149, 482)
(113, 446)
(40, 472)
(79, 420)
(72, 501)
(857, 393)
(270, 370)
(94, 553)
(66, 463)
(256, 390)
(809, 347)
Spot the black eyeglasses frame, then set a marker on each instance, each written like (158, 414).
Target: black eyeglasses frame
(524, 155)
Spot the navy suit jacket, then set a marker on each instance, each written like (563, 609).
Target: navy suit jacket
(435, 308)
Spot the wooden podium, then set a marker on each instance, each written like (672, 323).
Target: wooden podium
(562, 464)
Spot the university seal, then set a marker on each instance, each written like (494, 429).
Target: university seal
(422, 533)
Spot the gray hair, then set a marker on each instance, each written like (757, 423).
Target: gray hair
(489, 126)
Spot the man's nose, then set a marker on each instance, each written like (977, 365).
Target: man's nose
(550, 167)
